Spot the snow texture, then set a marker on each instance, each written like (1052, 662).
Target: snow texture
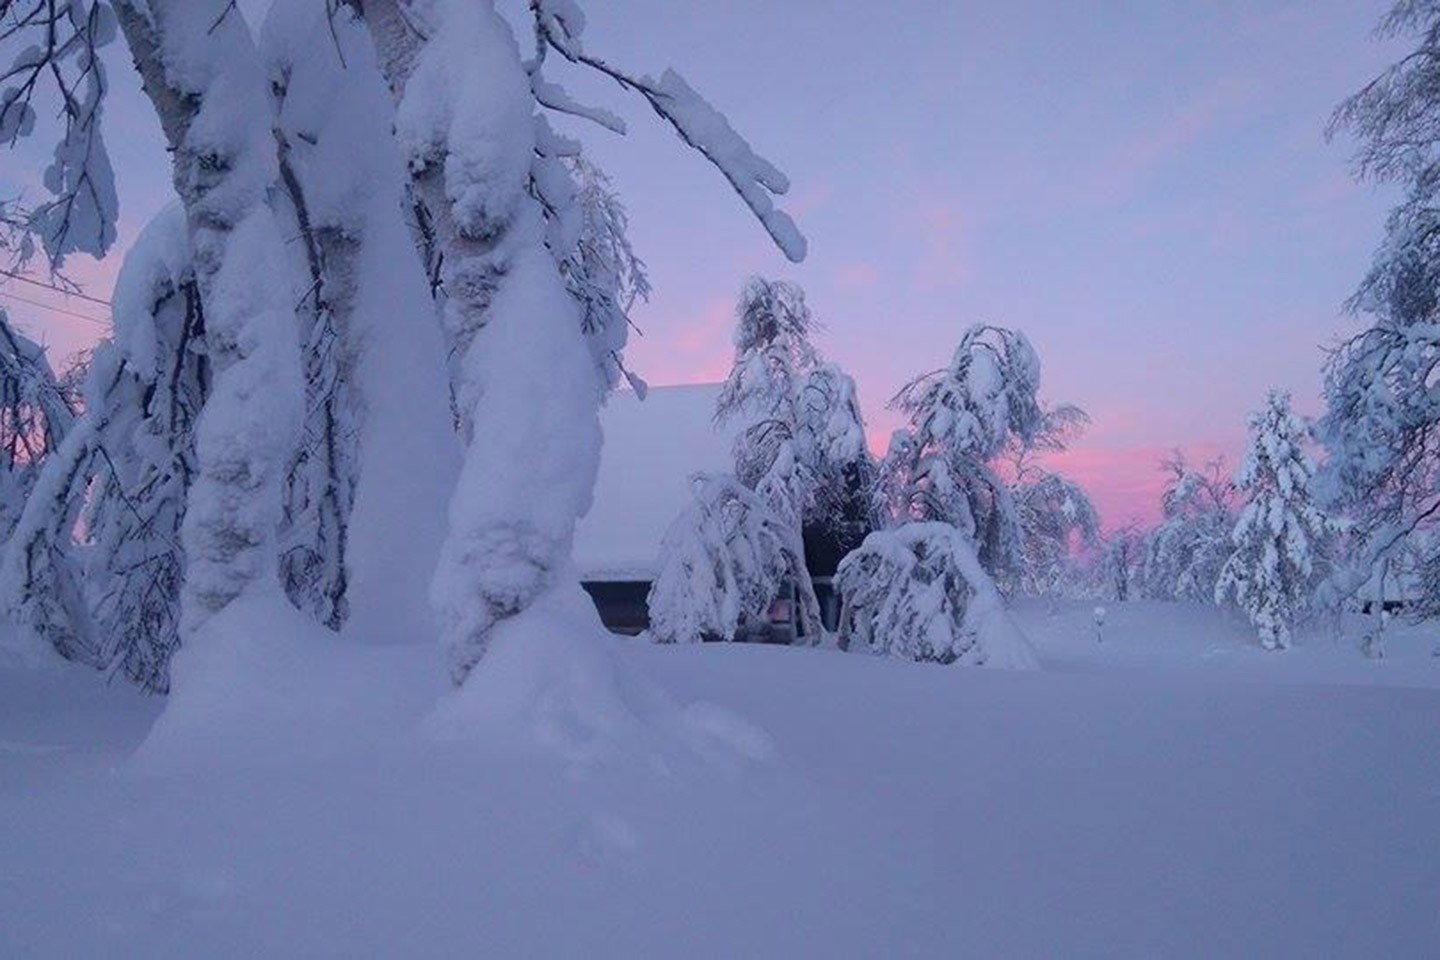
(248, 426)
(1174, 791)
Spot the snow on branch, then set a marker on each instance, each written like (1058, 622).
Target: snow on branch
(558, 25)
(68, 35)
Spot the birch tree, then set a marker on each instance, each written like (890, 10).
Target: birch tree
(466, 106)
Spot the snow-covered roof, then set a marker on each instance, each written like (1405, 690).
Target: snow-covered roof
(652, 446)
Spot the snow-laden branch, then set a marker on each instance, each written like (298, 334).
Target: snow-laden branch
(559, 24)
(64, 59)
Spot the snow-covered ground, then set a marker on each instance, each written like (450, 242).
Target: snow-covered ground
(1168, 791)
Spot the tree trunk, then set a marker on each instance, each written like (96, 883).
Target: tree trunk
(204, 78)
(525, 386)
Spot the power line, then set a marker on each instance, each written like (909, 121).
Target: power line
(45, 306)
(50, 286)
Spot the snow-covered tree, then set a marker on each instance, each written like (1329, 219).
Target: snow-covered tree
(800, 437)
(1186, 551)
(35, 414)
(523, 364)
(832, 432)
(1053, 513)
(277, 139)
(1281, 536)
(724, 561)
(1382, 421)
(147, 388)
(918, 592)
(1120, 562)
(762, 395)
(206, 80)
(961, 419)
(41, 455)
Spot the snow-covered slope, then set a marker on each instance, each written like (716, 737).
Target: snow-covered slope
(1128, 801)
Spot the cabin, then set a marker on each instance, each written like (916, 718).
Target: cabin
(651, 449)
(1392, 587)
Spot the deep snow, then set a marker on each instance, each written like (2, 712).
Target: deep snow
(1168, 791)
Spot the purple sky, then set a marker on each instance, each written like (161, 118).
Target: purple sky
(1143, 188)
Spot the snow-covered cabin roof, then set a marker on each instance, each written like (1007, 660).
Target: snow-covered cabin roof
(652, 446)
(1400, 585)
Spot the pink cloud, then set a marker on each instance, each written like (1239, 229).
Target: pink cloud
(812, 197)
(857, 275)
(689, 348)
(946, 248)
(1190, 122)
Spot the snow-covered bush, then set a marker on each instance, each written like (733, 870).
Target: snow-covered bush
(918, 592)
(1281, 537)
(724, 561)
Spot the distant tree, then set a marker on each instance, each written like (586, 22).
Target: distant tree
(1121, 560)
(724, 561)
(960, 419)
(1186, 551)
(1052, 512)
(1382, 423)
(918, 592)
(1281, 537)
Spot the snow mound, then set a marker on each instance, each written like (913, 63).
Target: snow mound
(1006, 645)
(551, 684)
(20, 648)
(264, 685)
